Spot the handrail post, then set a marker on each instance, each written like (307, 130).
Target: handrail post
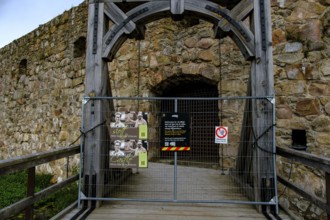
(30, 191)
(327, 190)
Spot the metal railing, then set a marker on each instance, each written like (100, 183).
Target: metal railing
(313, 161)
(29, 163)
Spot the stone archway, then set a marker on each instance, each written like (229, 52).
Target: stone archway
(202, 130)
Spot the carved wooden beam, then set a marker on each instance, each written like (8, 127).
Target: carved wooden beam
(119, 17)
(239, 13)
(155, 10)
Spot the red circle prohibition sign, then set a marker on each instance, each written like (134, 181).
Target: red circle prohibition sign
(221, 132)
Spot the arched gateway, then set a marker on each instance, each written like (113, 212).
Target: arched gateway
(110, 23)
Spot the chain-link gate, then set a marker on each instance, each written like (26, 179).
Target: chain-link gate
(164, 149)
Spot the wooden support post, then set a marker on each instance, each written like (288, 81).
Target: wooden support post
(327, 185)
(262, 84)
(30, 191)
(97, 85)
(177, 6)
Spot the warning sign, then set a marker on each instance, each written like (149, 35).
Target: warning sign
(221, 135)
(175, 148)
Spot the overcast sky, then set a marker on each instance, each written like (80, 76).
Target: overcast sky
(19, 17)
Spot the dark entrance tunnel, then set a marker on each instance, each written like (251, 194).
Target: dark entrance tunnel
(203, 117)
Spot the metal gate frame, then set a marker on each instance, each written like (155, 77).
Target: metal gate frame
(270, 189)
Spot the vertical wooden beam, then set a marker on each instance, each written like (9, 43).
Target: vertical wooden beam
(327, 189)
(97, 85)
(177, 9)
(262, 84)
(30, 191)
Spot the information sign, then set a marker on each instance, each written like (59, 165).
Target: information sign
(175, 130)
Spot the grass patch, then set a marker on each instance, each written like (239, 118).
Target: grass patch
(13, 189)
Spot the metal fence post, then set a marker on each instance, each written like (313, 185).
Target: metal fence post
(175, 160)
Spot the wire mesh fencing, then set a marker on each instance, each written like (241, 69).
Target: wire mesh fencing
(186, 150)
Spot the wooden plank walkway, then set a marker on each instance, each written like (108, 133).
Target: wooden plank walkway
(173, 211)
(195, 184)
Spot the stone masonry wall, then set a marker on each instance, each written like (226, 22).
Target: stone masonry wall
(301, 36)
(41, 87)
(42, 83)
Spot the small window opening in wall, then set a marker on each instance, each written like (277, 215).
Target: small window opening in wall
(23, 67)
(299, 140)
(79, 47)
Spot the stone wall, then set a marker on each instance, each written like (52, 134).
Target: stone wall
(41, 87)
(42, 82)
(301, 36)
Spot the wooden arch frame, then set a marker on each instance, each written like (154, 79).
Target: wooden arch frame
(132, 23)
(254, 42)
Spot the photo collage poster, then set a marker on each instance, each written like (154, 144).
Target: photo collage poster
(129, 133)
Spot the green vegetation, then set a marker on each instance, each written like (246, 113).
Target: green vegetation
(13, 188)
(57, 201)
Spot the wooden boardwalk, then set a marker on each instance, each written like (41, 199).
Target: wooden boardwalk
(205, 184)
(173, 211)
